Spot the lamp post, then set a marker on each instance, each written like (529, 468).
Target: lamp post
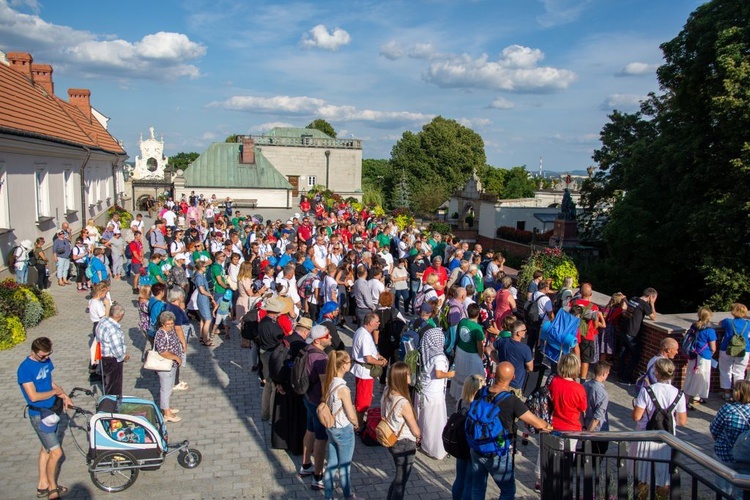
(328, 158)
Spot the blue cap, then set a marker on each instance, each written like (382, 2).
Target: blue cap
(228, 295)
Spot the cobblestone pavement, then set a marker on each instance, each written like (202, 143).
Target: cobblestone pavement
(221, 417)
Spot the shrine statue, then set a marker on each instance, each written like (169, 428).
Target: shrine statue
(568, 207)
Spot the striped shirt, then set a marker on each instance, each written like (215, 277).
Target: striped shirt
(110, 336)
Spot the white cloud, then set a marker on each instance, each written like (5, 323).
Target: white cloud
(392, 50)
(422, 51)
(624, 102)
(208, 136)
(265, 127)
(501, 103)
(310, 106)
(475, 122)
(515, 70)
(33, 5)
(637, 69)
(319, 37)
(557, 12)
(577, 139)
(157, 56)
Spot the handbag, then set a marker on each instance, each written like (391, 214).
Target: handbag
(375, 370)
(323, 411)
(386, 437)
(157, 362)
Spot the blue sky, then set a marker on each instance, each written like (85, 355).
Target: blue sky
(535, 78)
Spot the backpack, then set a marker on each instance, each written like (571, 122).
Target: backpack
(250, 323)
(661, 420)
(90, 271)
(736, 345)
(305, 285)
(558, 303)
(689, 346)
(454, 434)
(210, 278)
(560, 335)
(485, 432)
(413, 360)
(128, 251)
(12, 257)
(372, 419)
(741, 448)
(279, 364)
(300, 379)
(410, 340)
(32, 258)
(420, 298)
(531, 310)
(539, 403)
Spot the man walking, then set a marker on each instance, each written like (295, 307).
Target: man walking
(40, 392)
(316, 437)
(110, 336)
(516, 352)
(630, 345)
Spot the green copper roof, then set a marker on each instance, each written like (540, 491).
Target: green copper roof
(219, 166)
(296, 132)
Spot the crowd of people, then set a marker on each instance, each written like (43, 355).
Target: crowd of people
(431, 316)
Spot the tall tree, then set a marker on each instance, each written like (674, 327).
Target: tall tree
(676, 173)
(233, 138)
(182, 160)
(323, 126)
(518, 184)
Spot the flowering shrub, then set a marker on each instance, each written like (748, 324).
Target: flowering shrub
(403, 221)
(33, 312)
(555, 265)
(125, 217)
(11, 331)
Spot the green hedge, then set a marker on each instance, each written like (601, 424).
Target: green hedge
(21, 307)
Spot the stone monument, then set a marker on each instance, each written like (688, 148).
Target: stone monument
(151, 163)
(565, 231)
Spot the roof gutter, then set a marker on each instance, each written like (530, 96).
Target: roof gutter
(82, 176)
(114, 176)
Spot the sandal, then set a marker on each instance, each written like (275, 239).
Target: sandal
(207, 344)
(41, 493)
(60, 491)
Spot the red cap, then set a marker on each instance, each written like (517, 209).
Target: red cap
(264, 264)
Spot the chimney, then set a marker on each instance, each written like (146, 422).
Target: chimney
(81, 99)
(21, 62)
(248, 150)
(42, 75)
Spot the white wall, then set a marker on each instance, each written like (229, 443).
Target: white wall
(267, 198)
(345, 166)
(509, 216)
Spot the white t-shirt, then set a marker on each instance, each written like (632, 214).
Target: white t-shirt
(544, 304)
(431, 385)
(330, 287)
(313, 298)
(362, 345)
(665, 394)
(320, 258)
(388, 258)
(170, 217)
(137, 225)
(376, 287)
(96, 310)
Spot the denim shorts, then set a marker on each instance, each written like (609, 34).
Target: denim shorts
(313, 423)
(49, 439)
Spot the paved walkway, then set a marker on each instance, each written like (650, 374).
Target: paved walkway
(221, 417)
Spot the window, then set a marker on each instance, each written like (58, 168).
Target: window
(69, 189)
(4, 211)
(42, 193)
(311, 180)
(521, 225)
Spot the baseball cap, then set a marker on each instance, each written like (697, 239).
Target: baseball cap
(181, 256)
(357, 239)
(317, 332)
(426, 309)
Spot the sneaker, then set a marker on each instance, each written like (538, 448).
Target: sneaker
(182, 386)
(306, 471)
(317, 484)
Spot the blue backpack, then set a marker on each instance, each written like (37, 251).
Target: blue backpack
(560, 335)
(485, 432)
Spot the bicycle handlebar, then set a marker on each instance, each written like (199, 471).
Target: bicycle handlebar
(79, 389)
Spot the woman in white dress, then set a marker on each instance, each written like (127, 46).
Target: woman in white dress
(431, 410)
(666, 394)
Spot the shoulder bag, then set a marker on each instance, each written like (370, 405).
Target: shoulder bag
(386, 437)
(156, 362)
(326, 417)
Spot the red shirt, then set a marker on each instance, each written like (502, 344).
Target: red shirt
(569, 402)
(305, 206)
(442, 275)
(592, 330)
(137, 248)
(304, 233)
(285, 322)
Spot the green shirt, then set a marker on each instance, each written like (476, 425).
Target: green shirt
(154, 270)
(217, 270)
(468, 333)
(383, 240)
(199, 256)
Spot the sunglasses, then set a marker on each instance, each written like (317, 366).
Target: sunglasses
(43, 357)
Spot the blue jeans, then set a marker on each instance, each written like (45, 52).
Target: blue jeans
(501, 469)
(403, 295)
(63, 265)
(340, 453)
(403, 453)
(462, 485)
(22, 275)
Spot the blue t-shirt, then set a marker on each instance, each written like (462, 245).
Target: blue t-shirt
(181, 318)
(155, 308)
(739, 325)
(517, 354)
(40, 373)
(702, 339)
(98, 265)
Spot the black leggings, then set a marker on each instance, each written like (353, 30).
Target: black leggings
(403, 453)
(42, 281)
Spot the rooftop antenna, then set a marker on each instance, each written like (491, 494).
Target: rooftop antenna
(541, 173)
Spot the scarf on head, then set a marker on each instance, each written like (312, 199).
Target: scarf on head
(327, 308)
(431, 344)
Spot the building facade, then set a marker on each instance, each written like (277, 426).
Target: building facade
(58, 162)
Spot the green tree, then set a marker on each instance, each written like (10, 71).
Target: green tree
(323, 126)
(518, 184)
(233, 138)
(182, 160)
(676, 173)
(493, 179)
(443, 155)
(401, 194)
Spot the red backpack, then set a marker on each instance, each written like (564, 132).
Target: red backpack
(372, 419)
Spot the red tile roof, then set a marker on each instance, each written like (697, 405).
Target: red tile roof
(27, 108)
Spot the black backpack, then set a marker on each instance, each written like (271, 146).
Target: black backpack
(300, 379)
(279, 364)
(454, 434)
(661, 420)
(531, 310)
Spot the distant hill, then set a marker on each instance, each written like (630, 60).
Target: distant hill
(581, 173)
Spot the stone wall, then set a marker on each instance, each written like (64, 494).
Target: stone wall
(506, 246)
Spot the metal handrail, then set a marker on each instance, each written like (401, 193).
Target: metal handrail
(690, 451)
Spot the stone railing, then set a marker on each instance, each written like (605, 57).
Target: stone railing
(308, 142)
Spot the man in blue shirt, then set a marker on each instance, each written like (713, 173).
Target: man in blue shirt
(515, 351)
(40, 392)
